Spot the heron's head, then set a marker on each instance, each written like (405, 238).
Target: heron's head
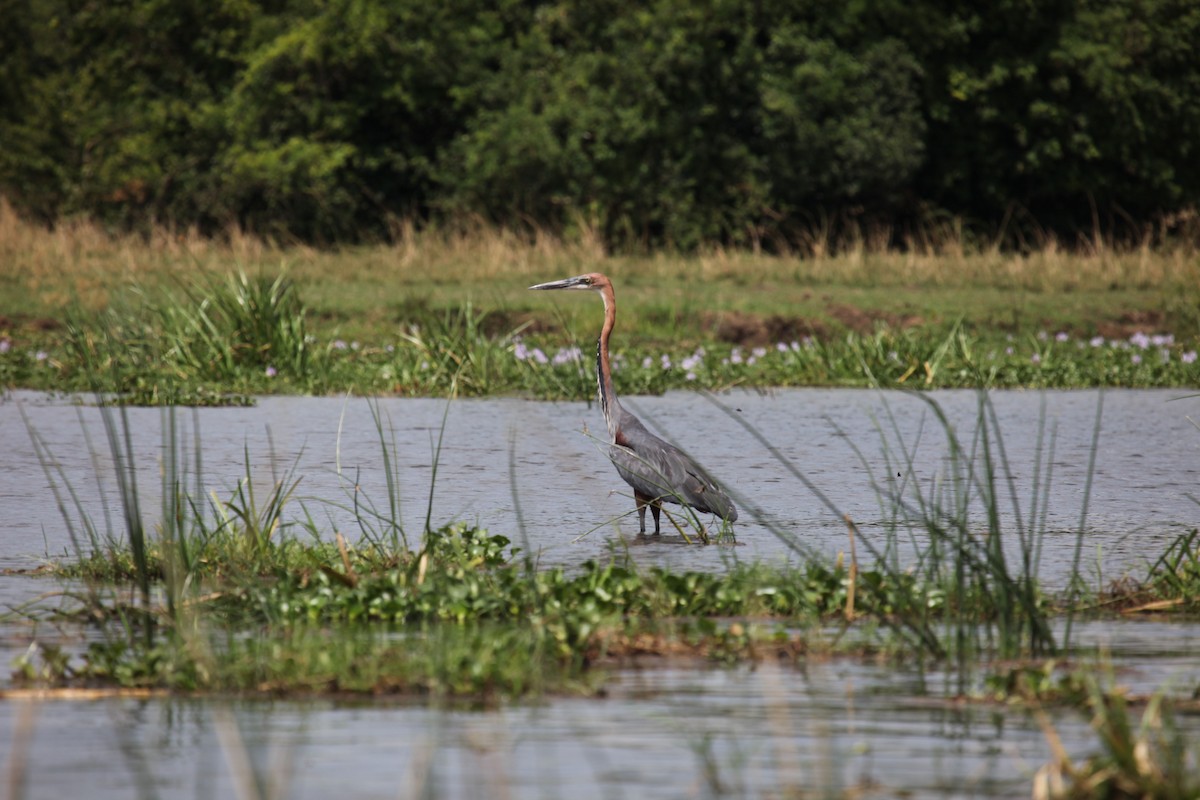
(592, 280)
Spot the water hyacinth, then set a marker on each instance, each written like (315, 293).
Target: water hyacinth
(902, 359)
(568, 355)
(690, 364)
(523, 352)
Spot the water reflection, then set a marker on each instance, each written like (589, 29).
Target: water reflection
(660, 734)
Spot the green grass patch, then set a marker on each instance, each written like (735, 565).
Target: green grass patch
(223, 341)
(178, 318)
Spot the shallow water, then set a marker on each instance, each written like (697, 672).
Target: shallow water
(500, 455)
(660, 732)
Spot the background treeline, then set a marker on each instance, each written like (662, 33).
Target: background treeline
(669, 122)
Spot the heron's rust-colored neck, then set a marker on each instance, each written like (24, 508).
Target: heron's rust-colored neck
(604, 383)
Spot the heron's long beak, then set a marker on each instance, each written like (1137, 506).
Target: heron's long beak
(578, 282)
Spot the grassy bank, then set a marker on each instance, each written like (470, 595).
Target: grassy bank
(178, 318)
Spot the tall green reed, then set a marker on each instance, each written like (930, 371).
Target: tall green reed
(132, 534)
(949, 539)
(218, 329)
(197, 345)
(383, 525)
(1148, 757)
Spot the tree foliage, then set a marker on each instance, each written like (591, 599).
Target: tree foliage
(664, 122)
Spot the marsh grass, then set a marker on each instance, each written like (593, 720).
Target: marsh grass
(1150, 756)
(175, 322)
(229, 340)
(966, 595)
(217, 330)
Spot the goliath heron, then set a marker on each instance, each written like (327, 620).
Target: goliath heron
(658, 471)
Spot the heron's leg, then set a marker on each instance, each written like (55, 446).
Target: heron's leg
(641, 501)
(655, 509)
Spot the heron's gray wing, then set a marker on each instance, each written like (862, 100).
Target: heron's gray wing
(657, 469)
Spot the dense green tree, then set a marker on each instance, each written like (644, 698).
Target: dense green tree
(337, 122)
(115, 117)
(680, 123)
(666, 122)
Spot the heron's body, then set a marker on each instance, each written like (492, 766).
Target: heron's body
(658, 471)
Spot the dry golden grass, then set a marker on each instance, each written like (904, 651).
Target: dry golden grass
(43, 270)
(79, 260)
(868, 262)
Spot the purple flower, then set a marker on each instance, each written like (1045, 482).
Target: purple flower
(666, 361)
(781, 347)
(537, 355)
(646, 362)
(1043, 336)
(520, 351)
(1135, 358)
(736, 356)
(271, 372)
(1189, 357)
(41, 355)
(5, 346)
(690, 363)
(338, 344)
(1061, 336)
(759, 352)
(1008, 351)
(691, 376)
(1140, 339)
(568, 355)
(1162, 340)
(1036, 358)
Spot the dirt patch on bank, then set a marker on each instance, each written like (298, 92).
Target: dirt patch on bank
(1132, 322)
(750, 330)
